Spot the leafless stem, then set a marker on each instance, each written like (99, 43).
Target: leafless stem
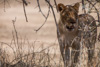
(83, 6)
(96, 10)
(53, 15)
(46, 17)
(40, 8)
(24, 3)
(56, 5)
(13, 21)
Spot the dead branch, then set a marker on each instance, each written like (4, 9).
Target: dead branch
(90, 8)
(25, 3)
(96, 10)
(56, 5)
(83, 6)
(40, 8)
(13, 21)
(46, 17)
(53, 15)
(9, 45)
(4, 3)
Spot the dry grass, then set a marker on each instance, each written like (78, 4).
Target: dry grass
(41, 58)
(29, 58)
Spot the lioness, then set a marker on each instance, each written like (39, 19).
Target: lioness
(72, 26)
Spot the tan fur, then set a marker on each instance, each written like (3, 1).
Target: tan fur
(68, 25)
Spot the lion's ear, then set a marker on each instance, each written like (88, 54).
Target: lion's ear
(61, 7)
(76, 7)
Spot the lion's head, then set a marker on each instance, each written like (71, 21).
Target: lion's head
(69, 16)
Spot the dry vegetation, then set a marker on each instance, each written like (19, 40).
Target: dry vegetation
(42, 56)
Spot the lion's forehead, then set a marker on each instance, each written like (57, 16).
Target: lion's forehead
(68, 12)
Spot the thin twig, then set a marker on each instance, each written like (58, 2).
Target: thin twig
(90, 7)
(13, 21)
(83, 6)
(40, 8)
(24, 3)
(45, 20)
(16, 34)
(46, 17)
(56, 5)
(96, 10)
(31, 53)
(10, 47)
(53, 16)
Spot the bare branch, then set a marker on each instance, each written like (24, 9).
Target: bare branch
(13, 21)
(53, 15)
(24, 3)
(56, 5)
(83, 6)
(96, 10)
(42, 24)
(90, 8)
(40, 8)
(46, 17)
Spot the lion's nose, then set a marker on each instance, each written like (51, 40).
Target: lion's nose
(69, 27)
(73, 22)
